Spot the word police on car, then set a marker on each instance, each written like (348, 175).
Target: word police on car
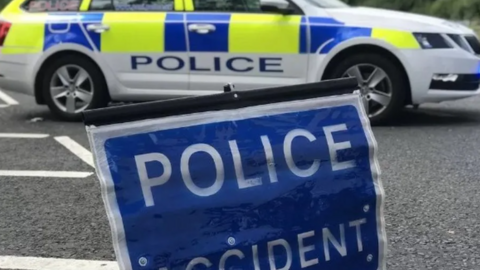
(235, 64)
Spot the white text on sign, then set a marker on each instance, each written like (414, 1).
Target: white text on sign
(309, 255)
(148, 182)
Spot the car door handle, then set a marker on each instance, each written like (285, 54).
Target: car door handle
(98, 28)
(201, 28)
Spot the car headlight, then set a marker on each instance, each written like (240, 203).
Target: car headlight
(432, 41)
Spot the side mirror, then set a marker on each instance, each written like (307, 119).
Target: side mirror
(276, 6)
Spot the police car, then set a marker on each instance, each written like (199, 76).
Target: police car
(74, 55)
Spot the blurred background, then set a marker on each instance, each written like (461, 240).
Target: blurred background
(466, 12)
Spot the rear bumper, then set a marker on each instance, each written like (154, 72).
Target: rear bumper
(15, 74)
(15, 86)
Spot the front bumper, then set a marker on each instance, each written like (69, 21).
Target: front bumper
(432, 74)
(454, 82)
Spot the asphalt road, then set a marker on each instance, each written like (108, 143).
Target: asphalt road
(430, 170)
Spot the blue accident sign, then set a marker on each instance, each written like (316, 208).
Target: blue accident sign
(290, 185)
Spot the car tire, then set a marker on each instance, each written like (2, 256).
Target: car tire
(395, 80)
(85, 90)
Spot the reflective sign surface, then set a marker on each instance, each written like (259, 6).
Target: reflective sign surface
(283, 186)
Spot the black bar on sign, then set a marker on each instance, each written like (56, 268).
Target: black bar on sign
(216, 102)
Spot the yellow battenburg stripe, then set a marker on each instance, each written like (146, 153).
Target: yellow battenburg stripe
(264, 33)
(134, 32)
(400, 39)
(26, 35)
(188, 4)
(179, 5)
(85, 5)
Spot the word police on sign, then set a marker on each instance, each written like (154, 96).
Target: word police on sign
(286, 185)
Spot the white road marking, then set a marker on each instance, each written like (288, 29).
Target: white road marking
(76, 149)
(7, 99)
(50, 174)
(23, 135)
(35, 263)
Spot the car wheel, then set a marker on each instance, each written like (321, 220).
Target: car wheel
(381, 82)
(73, 84)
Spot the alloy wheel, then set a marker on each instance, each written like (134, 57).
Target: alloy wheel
(71, 88)
(375, 86)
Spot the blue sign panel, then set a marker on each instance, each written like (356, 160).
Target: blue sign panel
(274, 187)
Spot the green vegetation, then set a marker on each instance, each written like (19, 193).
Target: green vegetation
(468, 10)
(3, 3)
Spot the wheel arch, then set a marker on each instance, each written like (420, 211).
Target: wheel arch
(358, 48)
(39, 98)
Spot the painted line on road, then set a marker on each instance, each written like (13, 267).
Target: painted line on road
(7, 99)
(35, 263)
(76, 149)
(23, 135)
(48, 174)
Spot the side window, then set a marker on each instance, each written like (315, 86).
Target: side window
(103, 5)
(228, 5)
(132, 5)
(51, 5)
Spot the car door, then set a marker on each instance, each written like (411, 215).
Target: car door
(144, 43)
(234, 41)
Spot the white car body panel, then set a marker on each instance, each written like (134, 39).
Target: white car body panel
(148, 82)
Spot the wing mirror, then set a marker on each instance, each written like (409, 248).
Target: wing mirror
(276, 6)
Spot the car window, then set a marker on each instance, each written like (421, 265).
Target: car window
(227, 5)
(132, 5)
(51, 5)
(101, 5)
(329, 3)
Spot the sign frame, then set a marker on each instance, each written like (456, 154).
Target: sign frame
(157, 116)
(216, 102)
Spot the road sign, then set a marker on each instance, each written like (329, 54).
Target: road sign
(286, 185)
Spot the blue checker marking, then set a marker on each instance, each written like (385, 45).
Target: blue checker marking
(175, 33)
(346, 33)
(321, 34)
(208, 17)
(174, 17)
(303, 35)
(66, 28)
(324, 20)
(216, 41)
(55, 33)
(93, 18)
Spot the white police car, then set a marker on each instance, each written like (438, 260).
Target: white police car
(79, 54)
